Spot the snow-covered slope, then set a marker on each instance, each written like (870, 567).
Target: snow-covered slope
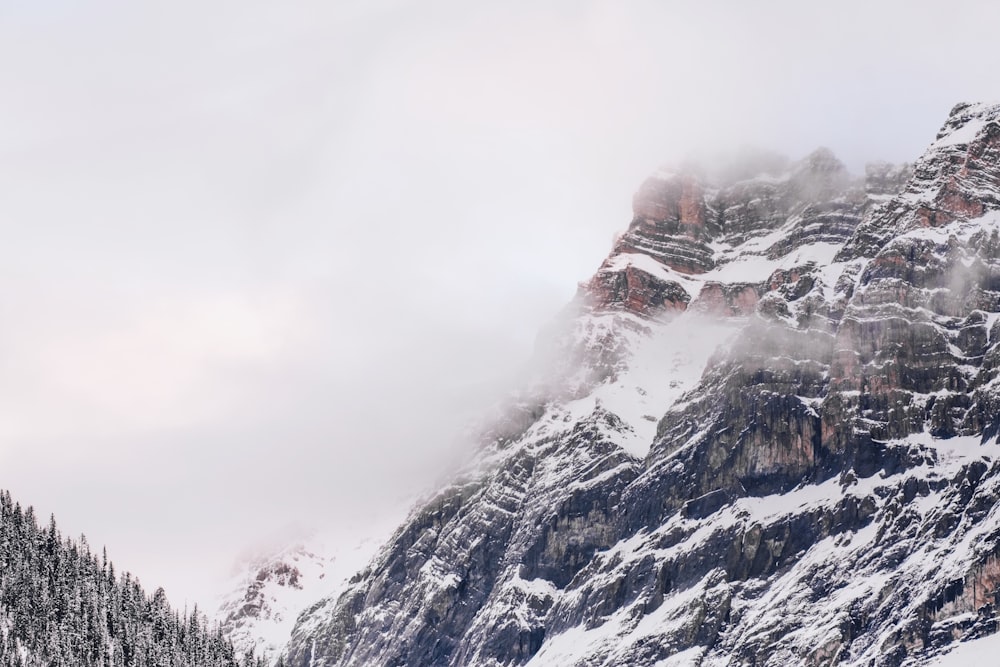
(764, 434)
(982, 651)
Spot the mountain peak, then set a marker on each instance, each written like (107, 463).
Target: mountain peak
(822, 159)
(956, 179)
(711, 244)
(966, 120)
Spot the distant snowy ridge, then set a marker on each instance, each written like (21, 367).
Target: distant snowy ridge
(269, 592)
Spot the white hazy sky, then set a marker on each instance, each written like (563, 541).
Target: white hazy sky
(259, 259)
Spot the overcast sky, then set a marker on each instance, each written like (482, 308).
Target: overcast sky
(260, 259)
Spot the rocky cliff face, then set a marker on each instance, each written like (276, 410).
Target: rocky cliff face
(768, 437)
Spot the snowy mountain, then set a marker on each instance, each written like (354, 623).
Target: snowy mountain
(264, 600)
(268, 592)
(764, 433)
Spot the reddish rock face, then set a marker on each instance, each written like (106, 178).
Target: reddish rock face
(645, 294)
(782, 277)
(669, 224)
(728, 300)
(669, 228)
(950, 206)
(678, 200)
(636, 291)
